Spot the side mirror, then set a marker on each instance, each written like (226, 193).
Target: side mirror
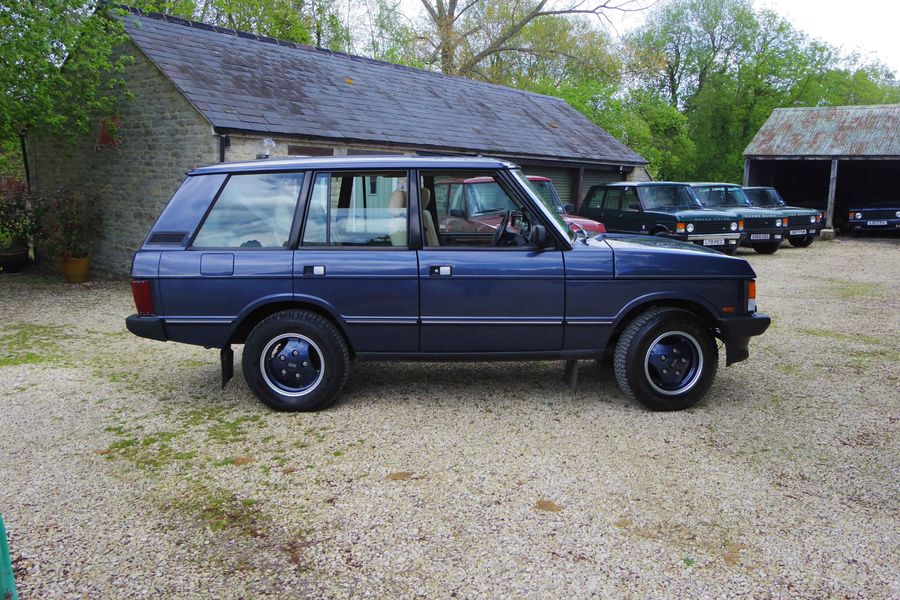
(539, 237)
(569, 208)
(458, 213)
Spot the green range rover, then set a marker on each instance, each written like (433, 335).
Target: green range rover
(662, 208)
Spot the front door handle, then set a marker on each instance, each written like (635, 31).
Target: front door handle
(441, 271)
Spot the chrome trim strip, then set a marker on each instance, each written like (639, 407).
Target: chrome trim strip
(443, 321)
(585, 322)
(177, 321)
(381, 320)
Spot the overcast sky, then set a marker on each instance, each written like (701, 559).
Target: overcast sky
(870, 26)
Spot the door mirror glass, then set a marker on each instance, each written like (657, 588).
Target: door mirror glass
(458, 213)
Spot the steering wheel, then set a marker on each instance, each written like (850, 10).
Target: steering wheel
(500, 232)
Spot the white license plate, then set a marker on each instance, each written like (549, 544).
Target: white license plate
(879, 222)
(759, 236)
(798, 232)
(714, 242)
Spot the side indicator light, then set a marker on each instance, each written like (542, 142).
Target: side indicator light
(741, 225)
(679, 227)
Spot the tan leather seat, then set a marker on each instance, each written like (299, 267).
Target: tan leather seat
(431, 236)
(397, 210)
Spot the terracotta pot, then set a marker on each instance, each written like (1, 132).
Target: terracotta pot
(76, 270)
(13, 260)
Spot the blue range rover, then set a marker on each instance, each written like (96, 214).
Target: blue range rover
(312, 262)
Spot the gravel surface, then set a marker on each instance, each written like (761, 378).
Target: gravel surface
(127, 472)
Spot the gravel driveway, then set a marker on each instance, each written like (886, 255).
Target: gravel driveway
(127, 472)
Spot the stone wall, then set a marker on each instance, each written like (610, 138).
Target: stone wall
(248, 146)
(162, 137)
(639, 174)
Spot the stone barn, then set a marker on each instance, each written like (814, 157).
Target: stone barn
(204, 94)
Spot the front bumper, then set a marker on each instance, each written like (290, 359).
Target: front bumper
(736, 333)
(712, 240)
(807, 230)
(147, 327)
(869, 224)
(763, 236)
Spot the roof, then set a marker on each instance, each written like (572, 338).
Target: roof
(822, 132)
(242, 81)
(400, 161)
(640, 184)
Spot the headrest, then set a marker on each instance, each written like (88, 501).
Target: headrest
(426, 197)
(398, 199)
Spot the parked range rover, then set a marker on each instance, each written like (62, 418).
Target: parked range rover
(884, 216)
(478, 205)
(803, 224)
(763, 227)
(663, 209)
(311, 262)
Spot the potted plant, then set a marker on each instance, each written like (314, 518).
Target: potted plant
(16, 224)
(68, 225)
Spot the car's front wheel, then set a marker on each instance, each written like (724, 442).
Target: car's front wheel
(801, 242)
(768, 248)
(296, 360)
(666, 359)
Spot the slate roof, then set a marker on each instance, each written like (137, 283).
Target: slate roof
(838, 131)
(241, 81)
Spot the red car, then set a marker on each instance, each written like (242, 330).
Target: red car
(478, 205)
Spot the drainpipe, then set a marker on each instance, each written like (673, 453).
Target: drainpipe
(224, 142)
(25, 161)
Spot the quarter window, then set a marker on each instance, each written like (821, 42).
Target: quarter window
(595, 197)
(358, 209)
(253, 211)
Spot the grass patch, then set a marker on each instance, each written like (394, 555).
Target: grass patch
(854, 289)
(221, 510)
(27, 343)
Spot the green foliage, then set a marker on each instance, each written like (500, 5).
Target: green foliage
(16, 214)
(68, 223)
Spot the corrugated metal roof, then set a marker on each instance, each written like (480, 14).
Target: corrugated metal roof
(837, 131)
(242, 81)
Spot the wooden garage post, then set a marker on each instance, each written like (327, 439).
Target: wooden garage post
(746, 172)
(832, 187)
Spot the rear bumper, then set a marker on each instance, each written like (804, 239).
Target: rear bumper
(736, 333)
(147, 327)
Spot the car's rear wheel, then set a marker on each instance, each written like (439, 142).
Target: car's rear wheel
(296, 360)
(801, 242)
(666, 359)
(767, 248)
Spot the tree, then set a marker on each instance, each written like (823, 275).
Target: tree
(462, 35)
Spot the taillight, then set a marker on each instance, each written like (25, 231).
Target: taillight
(143, 298)
(751, 296)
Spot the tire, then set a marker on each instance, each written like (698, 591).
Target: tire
(768, 248)
(302, 334)
(638, 356)
(802, 242)
(729, 250)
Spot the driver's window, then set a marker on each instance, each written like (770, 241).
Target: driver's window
(630, 202)
(471, 207)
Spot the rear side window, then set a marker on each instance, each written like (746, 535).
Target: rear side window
(253, 211)
(358, 209)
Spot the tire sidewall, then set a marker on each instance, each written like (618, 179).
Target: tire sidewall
(637, 376)
(334, 364)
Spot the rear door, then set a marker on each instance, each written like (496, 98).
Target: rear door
(354, 258)
(481, 298)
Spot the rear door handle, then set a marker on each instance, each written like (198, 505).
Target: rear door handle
(314, 270)
(440, 271)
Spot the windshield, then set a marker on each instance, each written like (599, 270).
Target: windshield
(548, 194)
(666, 197)
(722, 195)
(764, 197)
(547, 207)
(488, 197)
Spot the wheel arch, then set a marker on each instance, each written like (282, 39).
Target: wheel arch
(256, 313)
(694, 305)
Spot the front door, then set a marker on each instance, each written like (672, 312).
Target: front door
(484, 295)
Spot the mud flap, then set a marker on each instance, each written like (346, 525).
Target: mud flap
(572, 374)
(226, 358)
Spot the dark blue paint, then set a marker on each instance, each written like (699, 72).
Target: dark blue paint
(430, 303)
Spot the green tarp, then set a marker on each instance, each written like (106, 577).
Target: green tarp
(7, 585)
